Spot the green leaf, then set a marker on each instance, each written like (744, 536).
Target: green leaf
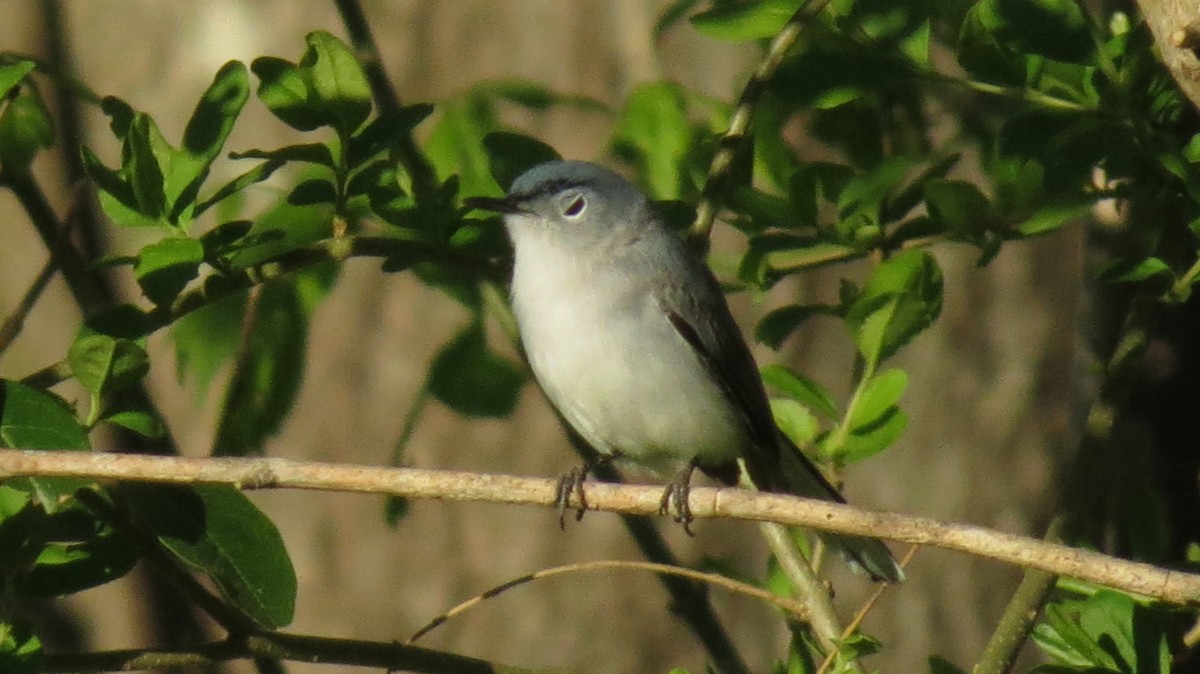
(327, 88)
(142, 169)
(902, 298)
(800, 388)
(165, 268)
(283, 88)
(216, 530)
(795, 421)
(103, 364)
(312, 153)
(12, 73)
(867, 441)
(1055, 29)
(958, 206)
(205, 135)
(206, 339)
(878, 397)
(115, 194)
(1134, 270)
(20, 649)
(33, 419)
(216, 112)
(745, 21)
(473, 380)
(982, 52)
(337, 80)
(142, 423)
(1050, 219)
(536, 96)
(511, 154)
(780, 323)
(313, 191)
(270, 365)
(455, 145)
(220, 239)
(654, 134)
(25, 130)
(255, 175)
(76, 553)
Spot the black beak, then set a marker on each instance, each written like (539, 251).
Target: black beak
(493, 204)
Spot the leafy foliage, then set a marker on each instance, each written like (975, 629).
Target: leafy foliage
(1049, 110)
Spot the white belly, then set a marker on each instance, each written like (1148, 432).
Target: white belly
(617, 370)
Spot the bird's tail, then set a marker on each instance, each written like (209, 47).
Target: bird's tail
(802, 478)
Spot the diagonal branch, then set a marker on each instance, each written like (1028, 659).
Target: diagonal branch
(1176, 587)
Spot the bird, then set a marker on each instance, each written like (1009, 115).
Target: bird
(629, 335)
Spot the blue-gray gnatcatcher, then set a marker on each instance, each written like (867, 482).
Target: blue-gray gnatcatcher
(630, 337)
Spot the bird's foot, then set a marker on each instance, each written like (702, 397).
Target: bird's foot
(571, 482)
(675, 497)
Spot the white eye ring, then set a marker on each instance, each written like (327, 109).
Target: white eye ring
(575, 207)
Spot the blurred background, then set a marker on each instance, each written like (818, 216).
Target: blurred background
(994, 396)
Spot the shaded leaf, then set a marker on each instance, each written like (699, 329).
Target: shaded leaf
(165, 268)
(25, 130)
(959, 206)
(216, 530)
(270, 363)
(473, 380)
(313, 191)
(103, 364)
(206, 339)
(511, 154)
(312, 153)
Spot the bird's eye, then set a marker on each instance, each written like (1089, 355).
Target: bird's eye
(575, 208)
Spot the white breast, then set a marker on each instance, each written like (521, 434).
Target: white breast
(613, 365)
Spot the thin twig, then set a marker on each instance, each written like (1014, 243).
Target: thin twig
(739, 122)
(1175, 587)
(16, 320)
(859, 616)
(797, 610)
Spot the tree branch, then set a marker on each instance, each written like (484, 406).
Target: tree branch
(295, 647)
(1176, 587)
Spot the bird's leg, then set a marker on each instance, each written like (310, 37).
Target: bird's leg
(675, 496)
(571, 482)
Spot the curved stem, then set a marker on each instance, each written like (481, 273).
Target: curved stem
(739, 123)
